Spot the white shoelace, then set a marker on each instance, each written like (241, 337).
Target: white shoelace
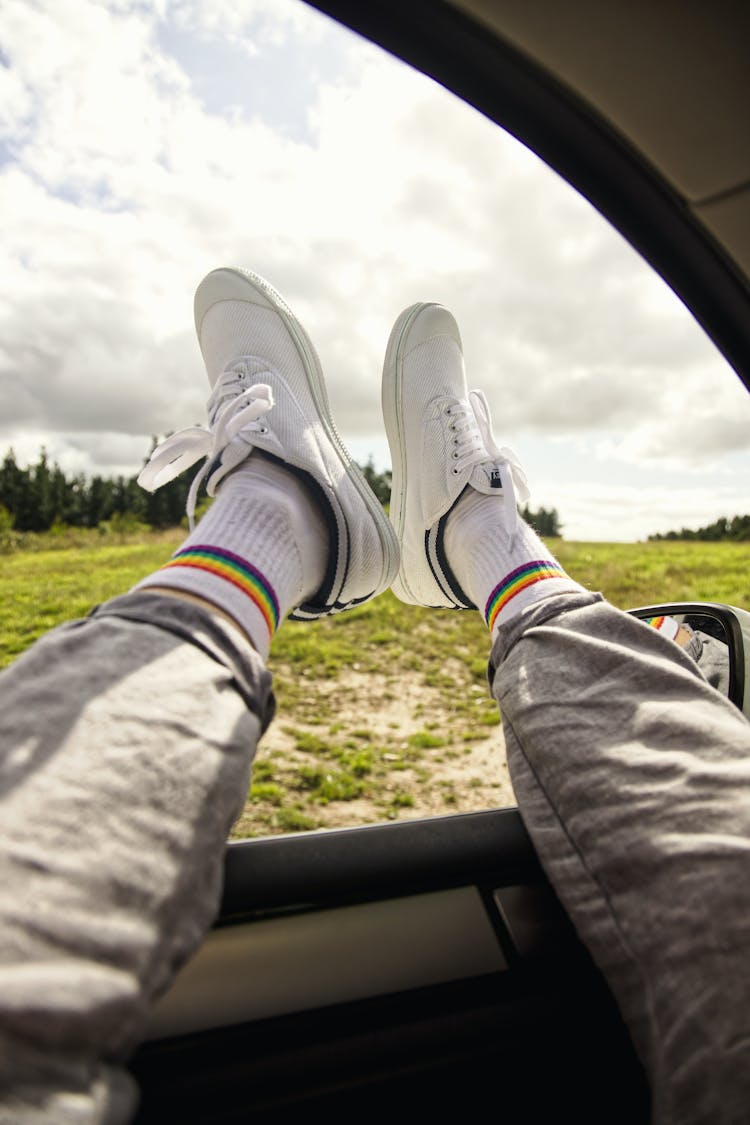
(474, 444)
(468, 446)
(239, 417)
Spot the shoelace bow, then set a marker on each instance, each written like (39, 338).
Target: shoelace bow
(240, 416)
(474, 444)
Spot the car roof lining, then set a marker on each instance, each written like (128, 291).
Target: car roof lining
(651, 68)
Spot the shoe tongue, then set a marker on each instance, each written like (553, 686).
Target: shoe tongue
(487, 477)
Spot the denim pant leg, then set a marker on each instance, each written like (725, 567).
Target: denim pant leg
(632, 775)
(126, 741)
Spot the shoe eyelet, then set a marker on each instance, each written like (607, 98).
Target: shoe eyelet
(455, 472)
(448, 410)
(454, 455)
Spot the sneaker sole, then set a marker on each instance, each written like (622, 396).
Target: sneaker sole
(237, 284)
(392, 415)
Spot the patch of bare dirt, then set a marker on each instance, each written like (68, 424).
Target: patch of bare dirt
(401, 716)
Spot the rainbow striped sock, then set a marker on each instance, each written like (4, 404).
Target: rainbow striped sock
(519, 579)
(236, 570)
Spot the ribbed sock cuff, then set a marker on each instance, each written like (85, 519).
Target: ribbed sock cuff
(537, 578)
(238, 572)
(480, 548)
(259, 550)
(224, 579)
(522, 578)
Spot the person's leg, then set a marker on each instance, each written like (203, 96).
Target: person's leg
(633, 778)
(127, 737)
(631, 773)
(127, 740)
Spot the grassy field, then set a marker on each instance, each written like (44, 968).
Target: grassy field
(383, 712)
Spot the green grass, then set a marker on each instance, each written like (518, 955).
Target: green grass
(335, 759)
(634, 574)
(44, 587)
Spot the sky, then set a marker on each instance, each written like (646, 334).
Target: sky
(143, 144)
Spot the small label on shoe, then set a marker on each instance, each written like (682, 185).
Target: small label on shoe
(487, 478)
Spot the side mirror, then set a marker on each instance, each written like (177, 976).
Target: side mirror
(723, 642)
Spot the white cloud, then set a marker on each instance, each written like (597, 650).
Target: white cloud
(251, 24)
(126, 184)
(622, 513)
(696, 437)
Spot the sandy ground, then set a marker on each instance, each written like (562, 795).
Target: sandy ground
(465, 774)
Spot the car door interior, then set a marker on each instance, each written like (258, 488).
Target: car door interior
(421, 966)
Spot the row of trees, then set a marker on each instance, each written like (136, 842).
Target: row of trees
(40, 496)
(738, 528)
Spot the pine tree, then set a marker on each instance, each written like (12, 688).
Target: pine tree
(545, 523)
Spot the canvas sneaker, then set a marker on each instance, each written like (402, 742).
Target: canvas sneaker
(268, 394)
(441, 444)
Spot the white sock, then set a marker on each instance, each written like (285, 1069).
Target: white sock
(501, 576)
(259, 551)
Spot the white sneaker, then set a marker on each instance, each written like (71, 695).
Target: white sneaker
(441, 443)
(269, 394)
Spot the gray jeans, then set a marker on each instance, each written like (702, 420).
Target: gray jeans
(127, 742)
